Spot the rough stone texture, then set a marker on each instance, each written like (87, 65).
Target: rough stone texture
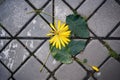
(70, 72)
(13, 14)
(11, 79)
(115, 45)
(4, 73)
(37, 28)
(90, 78)
(38, 3)
(51, 79)
(3, 33)
(42, 54)
(13, 55)
(88, 7)
(32, 44)
(105, 18)
(30, 71)
(74, 3)
(110, 70)
(61, 10)
(47, 12)
(13, 17)
(116, 33)
(95, 53)
(3, 43)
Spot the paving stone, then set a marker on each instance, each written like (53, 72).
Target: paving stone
(116, 33)
(118, 1)
(114, 44)
(87, 8)
(110, 70)
(51, 78)
(3, 33)
(13, 14)
(13, 55)
(10, 79)
(70, 72)
(105, 18)
(37, 28)
(3, 43)
(32, 44)
(90, 78)
(47, 12)
(30, 71)
(38, 3)
(4, 73)
(74, 3)
(95, 53)
(1, 1)
(61, 10)
(42, 53)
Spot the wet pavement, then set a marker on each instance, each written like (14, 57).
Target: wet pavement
(24, 46)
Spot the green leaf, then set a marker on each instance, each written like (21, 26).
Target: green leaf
(77, 25)
(61, 55)
(75, 47)
(65, 54)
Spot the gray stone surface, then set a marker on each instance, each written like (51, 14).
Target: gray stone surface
(105, 18)
(116, 33)
(13, 55)
(51, 79)
(42, 53)
(70, 72)
(1, 1)
(4, 73)
(90, 78)
(3, 33)
(38, 3)
(32, 44)
(2, 43)
(74, 3)
(37, 28)
(47, 12)
(61, 10)
(10, 79)
(30, 71)
(13, 14)
(114, 44)
(95, 53)
(110, 70)
(88, 7)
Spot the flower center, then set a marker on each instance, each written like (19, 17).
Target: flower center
(57, 32)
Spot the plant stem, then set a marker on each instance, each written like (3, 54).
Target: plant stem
(79, 61)
(44, 62)
(40, 11)
(111, 52)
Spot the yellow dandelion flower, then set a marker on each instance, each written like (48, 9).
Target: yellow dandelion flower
(59, 35)
(95, 68)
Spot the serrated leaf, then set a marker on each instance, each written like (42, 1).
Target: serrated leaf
(75, 47)
(61, 55)
(77, 25)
